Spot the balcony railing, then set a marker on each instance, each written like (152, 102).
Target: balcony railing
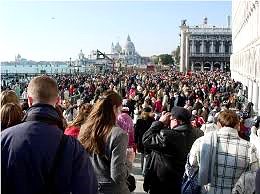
(210, 54)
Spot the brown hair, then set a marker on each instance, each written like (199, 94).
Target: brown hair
(228, 118)
(97, 128)
(11, 114)
(9, 96)
(43, 89)
(145, 115)
(82, 115)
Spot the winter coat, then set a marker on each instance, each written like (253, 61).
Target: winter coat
(141, 127)
(112, 168)
(170, 148)
(28, 151)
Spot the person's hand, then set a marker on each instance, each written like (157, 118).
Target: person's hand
(165, 118)
(130, 154)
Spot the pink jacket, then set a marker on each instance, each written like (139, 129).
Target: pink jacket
(125, 122)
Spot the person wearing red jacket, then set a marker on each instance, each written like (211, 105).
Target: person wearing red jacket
(71, 90)
(74, 128)
(158, 105)
(213, 89)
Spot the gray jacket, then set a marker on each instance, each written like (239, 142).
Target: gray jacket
(112, 169)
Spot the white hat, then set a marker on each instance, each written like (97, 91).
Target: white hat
(210, 119)
(125, 109)
(147, 98)
(194, 112)
(124, 102)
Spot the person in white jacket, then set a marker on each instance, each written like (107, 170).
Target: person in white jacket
(255, 135)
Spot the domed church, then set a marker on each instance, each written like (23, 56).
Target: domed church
(128, 54)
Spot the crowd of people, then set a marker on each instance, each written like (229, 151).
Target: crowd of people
(80, 134)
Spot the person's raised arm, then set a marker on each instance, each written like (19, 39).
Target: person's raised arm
(152, 138)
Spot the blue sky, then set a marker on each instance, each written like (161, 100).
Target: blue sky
(28, 27)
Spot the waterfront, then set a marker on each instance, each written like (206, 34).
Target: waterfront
(49, 69)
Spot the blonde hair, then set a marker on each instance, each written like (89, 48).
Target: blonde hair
(82, 115)
(97, 128)
(43, 89)
(145, 115)
(9, 96)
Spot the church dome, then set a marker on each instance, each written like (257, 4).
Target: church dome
(81, 55)
(129, 46)
(118, 48)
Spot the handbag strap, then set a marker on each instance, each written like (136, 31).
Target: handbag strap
(56, 163)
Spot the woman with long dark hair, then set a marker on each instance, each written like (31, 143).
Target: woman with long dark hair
(107, 144)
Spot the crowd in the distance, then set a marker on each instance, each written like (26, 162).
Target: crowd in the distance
(195, 132)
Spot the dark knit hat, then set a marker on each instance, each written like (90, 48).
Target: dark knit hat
(181, 113)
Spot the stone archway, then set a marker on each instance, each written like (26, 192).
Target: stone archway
(197, 66)
(216, 66)
(207, 66)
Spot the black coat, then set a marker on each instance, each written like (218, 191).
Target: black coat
(170, 148)
(141, 127)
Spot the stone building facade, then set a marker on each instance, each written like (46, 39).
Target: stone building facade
(205, 47)
(245, 60)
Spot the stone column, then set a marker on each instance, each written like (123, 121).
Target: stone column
(221, 66)
(222, 49)
(250, 90)
(191, 47)
(194, 46)
(202, 47)
(212, 47)
(182, 48)
(258, 108)
(212, 67)
(187, 66)
(244, 80)
(202, 66)
(255, 96)
(192, 65)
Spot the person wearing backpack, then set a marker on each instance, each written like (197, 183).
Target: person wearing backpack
(37, 157)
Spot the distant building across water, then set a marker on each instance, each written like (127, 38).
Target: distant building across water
(22, 65)
(126, 56)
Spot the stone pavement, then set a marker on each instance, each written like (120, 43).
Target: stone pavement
(136, 172)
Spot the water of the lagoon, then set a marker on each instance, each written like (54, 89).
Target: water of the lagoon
(39, 68)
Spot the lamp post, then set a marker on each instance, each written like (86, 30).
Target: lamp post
(70, 65)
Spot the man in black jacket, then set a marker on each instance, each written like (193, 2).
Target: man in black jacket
(170, 140)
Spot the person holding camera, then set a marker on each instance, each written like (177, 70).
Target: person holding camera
(169, 140)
